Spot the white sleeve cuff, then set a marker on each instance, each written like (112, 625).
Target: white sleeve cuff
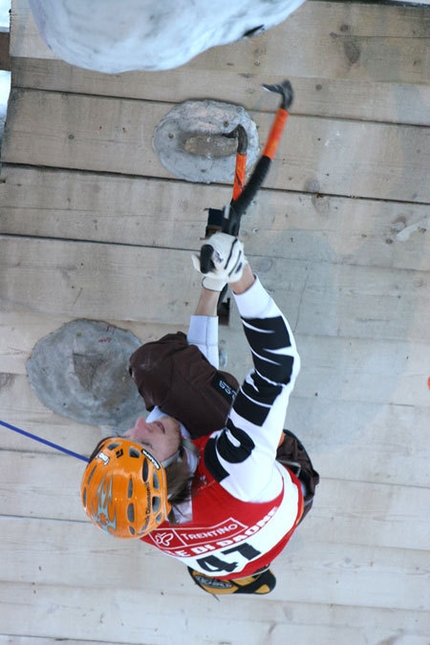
(255, 302)
(203, 332)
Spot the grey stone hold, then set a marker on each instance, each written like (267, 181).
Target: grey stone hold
(190, 144)
(81, 372)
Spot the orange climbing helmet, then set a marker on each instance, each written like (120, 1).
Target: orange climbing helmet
(124, 489)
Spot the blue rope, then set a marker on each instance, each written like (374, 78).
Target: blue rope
(45, 441)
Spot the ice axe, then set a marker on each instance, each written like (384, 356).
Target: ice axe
(216, 216)
(228, 220)
(241, 154)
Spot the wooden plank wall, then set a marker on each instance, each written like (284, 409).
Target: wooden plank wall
(93, 226)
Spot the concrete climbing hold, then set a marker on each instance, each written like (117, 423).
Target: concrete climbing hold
(190, 141)
(81, 371)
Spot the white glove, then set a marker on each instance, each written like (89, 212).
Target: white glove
(228, 261)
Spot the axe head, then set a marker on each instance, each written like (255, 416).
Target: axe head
(285, 89)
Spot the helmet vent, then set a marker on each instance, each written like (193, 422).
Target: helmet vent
(90, 476)
(133, 452)
(155, 504)
(145, 471)
(130, 488)
(155, 481)
(113, 445)
(130, 512)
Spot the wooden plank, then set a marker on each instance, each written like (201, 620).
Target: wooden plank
(358, 91)
(109, 208)
(343, 40)
(106, 282)
(366, 576)
(385, 443)
(378, 436)
(117, 616)
(333, 367)
(365, 514)
(377, 439)
(21, 408)
(343, 366)
(392, 102)
(52, 484)
(368, 514)
(19, 334)
(316, 155)
(356, 372)
(107, 266)
(29, 640)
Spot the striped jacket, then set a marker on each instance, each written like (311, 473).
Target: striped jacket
(244, 504)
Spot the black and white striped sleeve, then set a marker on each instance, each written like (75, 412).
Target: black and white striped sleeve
(241, 456)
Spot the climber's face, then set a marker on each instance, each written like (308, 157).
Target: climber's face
(162, 437)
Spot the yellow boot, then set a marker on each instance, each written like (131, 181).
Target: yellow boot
(259, 583)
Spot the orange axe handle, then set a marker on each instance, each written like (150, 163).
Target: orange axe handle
(275, 134)
(239, 175)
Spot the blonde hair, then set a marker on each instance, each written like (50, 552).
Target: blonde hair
(179, 479)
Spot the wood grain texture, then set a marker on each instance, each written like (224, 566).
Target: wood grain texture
(98, 612)
(331, 94)
(307, 564)
(91, 225)
(100, 207)
(357, 371)
(316, 155)
(347, 513)
(385, 444)
(81, 279)
(370, 43)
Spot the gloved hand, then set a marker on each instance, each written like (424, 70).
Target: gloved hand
(227, 261)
